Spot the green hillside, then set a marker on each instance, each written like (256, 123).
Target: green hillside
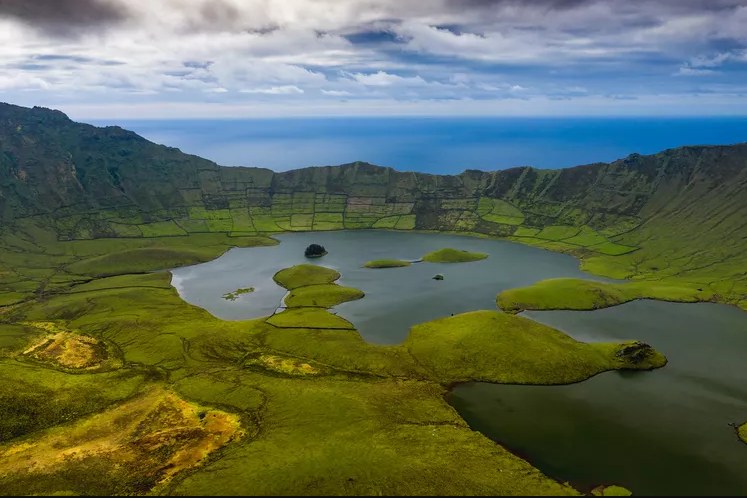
(111, 384)
(676, 215)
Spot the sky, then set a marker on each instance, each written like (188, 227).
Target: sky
(168, 59)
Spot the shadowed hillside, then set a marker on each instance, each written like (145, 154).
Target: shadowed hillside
(680, 214)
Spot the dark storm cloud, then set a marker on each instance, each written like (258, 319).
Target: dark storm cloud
(62, 16)
(64, 11)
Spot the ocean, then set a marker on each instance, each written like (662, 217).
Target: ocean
(434, 145)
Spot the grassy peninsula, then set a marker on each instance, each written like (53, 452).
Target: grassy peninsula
(577, 294)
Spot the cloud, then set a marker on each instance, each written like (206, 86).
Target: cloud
(382, 78)
(238, 52)
(718, 59)
(712, 61)
(337, 93)
(690, 71)
(60, 16)
(275, 90)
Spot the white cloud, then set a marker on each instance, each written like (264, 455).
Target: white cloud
(275, 90)
(337, 93)
(382, 78)
(240, 51)
(712, 61)
(690, 71)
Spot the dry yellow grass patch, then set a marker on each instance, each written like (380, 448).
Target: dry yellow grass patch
(157, 434)
(286, 365)
(66, 348)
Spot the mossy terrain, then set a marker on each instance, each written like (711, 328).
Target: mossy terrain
(386, 263)
(577, 294)
(453, 256)
(199, 405)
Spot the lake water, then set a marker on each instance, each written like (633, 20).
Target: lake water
(664, 432)
(396, 298)
(434, 145)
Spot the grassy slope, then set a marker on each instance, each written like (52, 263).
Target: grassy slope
(363, 419)
(140, 260)
(576, 294)
(34, 263)
(453, 256)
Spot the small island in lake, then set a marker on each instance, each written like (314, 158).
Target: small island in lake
(233, 296)
(315, 251)
(386, 263)
(453, 256)
(438, 277)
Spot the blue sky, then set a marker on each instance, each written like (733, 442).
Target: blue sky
(276, 58)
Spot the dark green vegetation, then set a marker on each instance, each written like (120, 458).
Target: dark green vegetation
(673, 216)
(576, 294)
(233, 296)
(387, 263)
(86, 213)
(438, 277)
(315, 251)
(453, 256)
